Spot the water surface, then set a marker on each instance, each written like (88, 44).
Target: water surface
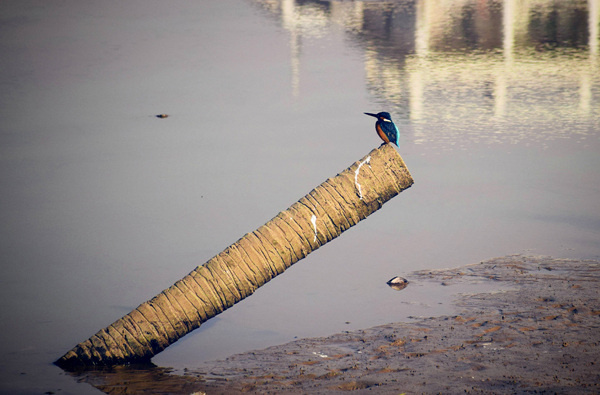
(104, 205)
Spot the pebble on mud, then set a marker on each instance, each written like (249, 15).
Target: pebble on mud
(398, 283)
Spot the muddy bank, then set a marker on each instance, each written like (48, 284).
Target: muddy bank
(541, 335)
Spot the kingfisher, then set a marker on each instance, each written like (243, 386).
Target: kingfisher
(386, 129)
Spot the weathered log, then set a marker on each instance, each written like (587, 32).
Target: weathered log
(317, 218)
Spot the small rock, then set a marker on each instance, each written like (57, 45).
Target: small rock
(398, 283)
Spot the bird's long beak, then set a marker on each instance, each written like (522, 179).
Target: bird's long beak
(373, 115)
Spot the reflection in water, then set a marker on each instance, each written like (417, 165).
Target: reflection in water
(139, 379)
(593, 23)
(311, 19)
(466, 71)
(301, 21)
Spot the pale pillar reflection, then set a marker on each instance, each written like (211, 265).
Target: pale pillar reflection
(350, 16)
(508, 46)
(289, 22)
(508, 30)
(416, 79)
(422, 33)
(593, 21)
(585, 85)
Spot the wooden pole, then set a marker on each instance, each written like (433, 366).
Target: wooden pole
(319, 217)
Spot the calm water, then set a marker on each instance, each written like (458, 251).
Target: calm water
(103, 205)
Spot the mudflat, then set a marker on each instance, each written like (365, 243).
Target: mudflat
(539, 335)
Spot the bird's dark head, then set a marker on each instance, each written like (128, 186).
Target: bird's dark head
(379, 115)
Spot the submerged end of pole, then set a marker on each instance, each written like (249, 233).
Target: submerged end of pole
(68, 360)
(71, 362)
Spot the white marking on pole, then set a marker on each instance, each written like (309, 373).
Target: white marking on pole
(313, 219)
(368, 161)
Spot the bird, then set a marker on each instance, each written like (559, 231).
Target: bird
(385, 127)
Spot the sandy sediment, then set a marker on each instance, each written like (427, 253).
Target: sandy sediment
(540, 335)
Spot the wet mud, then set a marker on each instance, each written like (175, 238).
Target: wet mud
(539, 335)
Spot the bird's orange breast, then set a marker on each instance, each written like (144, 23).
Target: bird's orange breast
(381, 134)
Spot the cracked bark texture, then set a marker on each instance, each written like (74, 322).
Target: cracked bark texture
(247, 264)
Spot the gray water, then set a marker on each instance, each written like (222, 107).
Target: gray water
(103, 205)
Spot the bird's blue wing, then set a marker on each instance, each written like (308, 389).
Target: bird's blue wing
(391, 131)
